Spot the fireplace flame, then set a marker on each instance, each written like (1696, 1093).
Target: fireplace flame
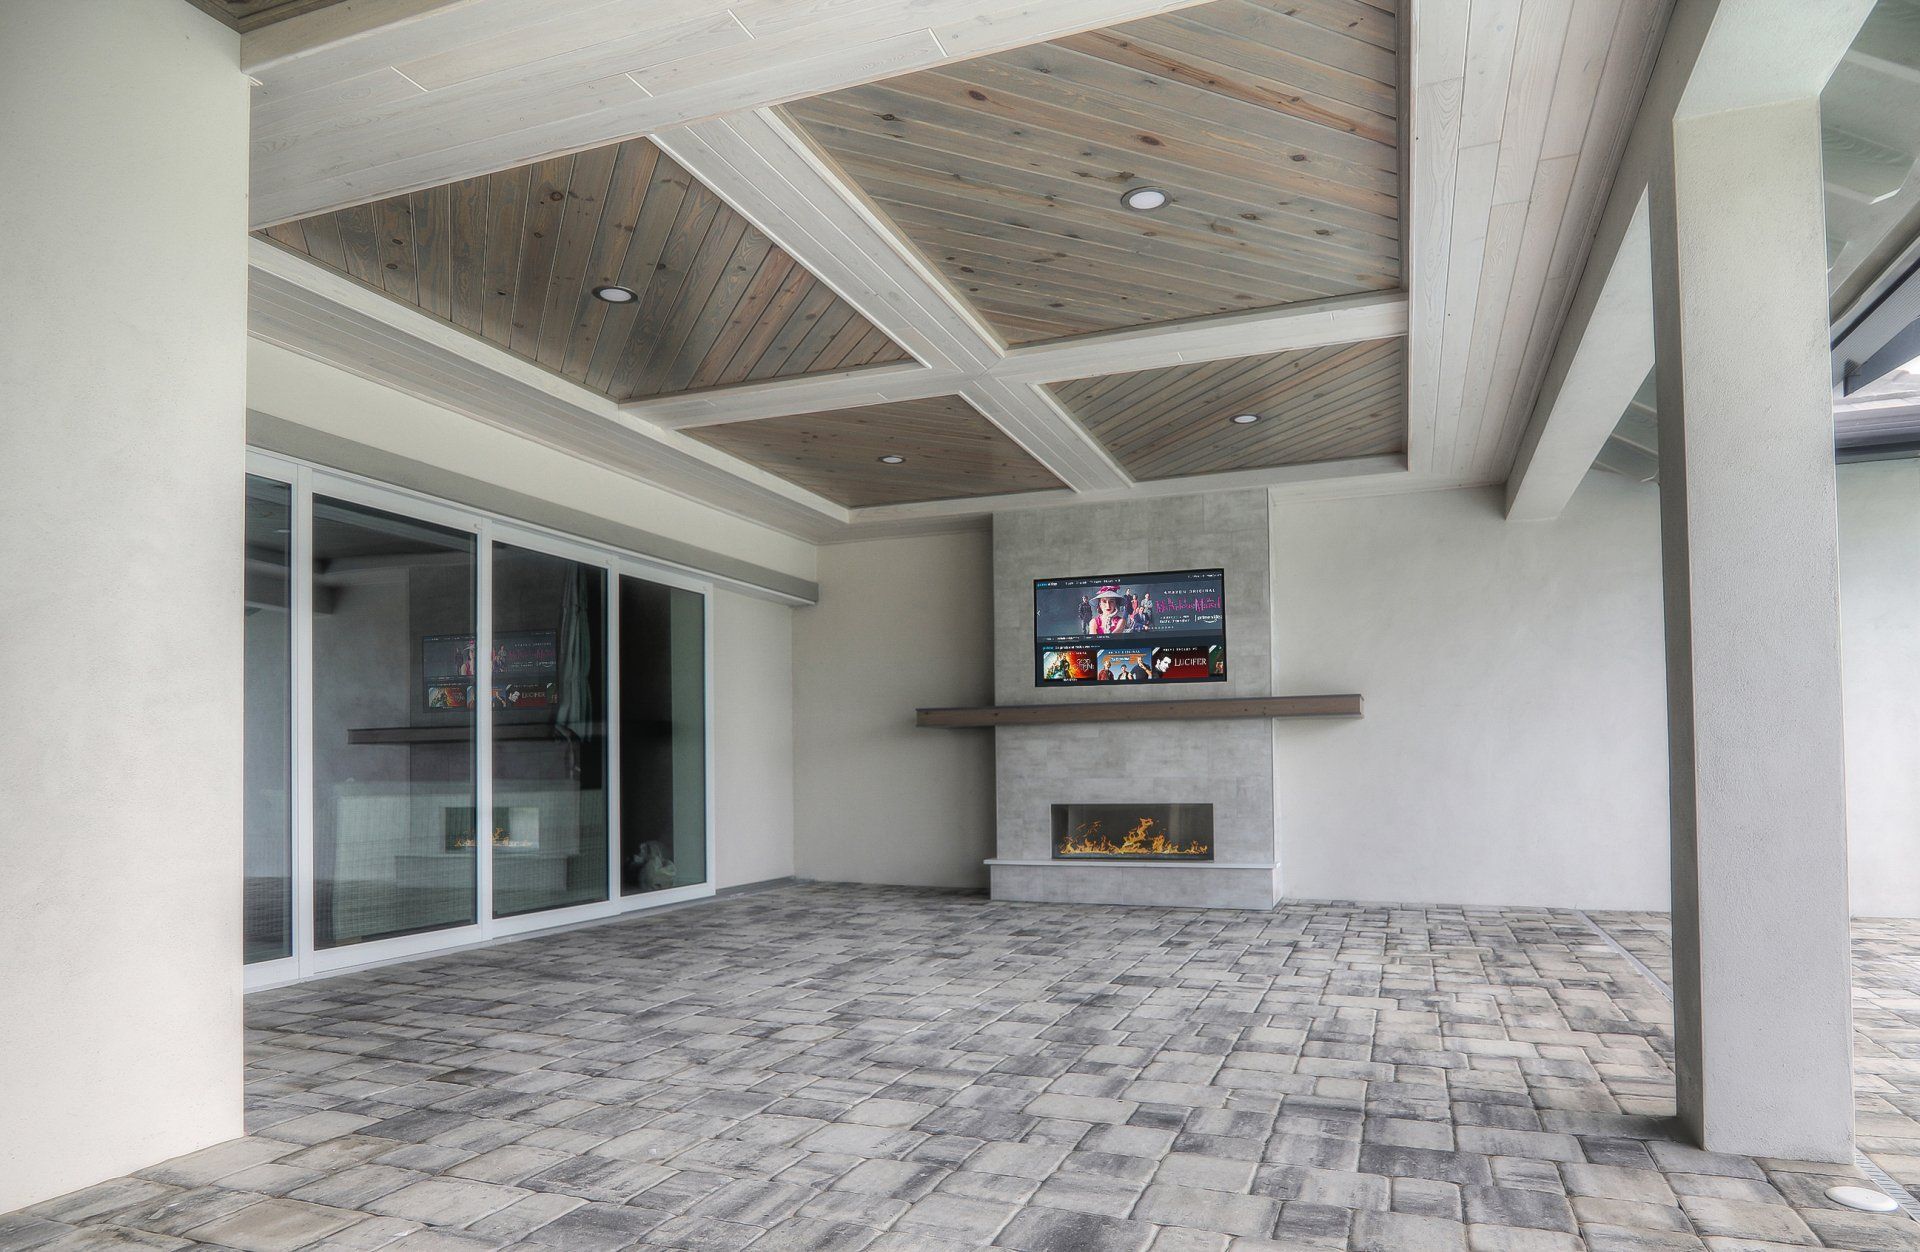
(1142, 840)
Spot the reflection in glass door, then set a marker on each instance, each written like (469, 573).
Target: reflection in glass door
(394, 681)
(549, 731)
(268, 718)
(663, 737)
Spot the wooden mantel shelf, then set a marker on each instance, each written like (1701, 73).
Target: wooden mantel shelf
(1141, 711)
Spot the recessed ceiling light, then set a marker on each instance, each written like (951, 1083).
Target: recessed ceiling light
(893, 458)
(1145, 199)
(615, 295)
(1245, 419)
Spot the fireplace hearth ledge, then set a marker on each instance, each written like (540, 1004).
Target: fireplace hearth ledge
(1155, 862)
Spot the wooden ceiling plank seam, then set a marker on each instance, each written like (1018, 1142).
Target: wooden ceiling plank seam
(739, 301)
(1338, 50)
(1637, 31)
(1506, 225)
(871, 347)
(913, 160)
(322, 236)
(506, 227)
(393, 224)
(433, 249)
(1078, 90)
(1297, 369)
(467, 243)
(807, 352)
(783, 307)
(781, 357)
(1229, 34)
(588, 185)
(707, 263)
(1374, 24)
(546, 214)
(838, 353)
(1233, 246)
(1061, 290)
(1283, 407)
(1547, 210)
(1123, 150)
(1323, 439)
(715, 367)
(731, 259)
(1185, 65)
(626, 196)
(1153, 393)
(1302, 375)
(946, 139)
(289, 235)
(696, 218)
(665, 200)
(1166, 254)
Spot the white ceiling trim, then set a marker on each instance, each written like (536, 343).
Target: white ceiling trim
(1716, 54)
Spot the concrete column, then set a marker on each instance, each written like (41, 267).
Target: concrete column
(123, 134)
(1748, 529)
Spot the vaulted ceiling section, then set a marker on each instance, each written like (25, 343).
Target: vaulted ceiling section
(1271, 125)
(515, 257)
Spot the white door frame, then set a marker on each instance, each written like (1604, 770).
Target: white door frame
(306, 480)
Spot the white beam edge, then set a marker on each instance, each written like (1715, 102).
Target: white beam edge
(327, 285)
(788, 397)
(1308, 324)
(1358, 476)
(1040, 424)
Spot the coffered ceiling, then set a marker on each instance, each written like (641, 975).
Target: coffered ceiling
(1273, 127)
(940, 448)
(515, 257)
(1314, 404)
(861, 227)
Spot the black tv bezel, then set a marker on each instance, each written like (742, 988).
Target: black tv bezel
(1040, 682)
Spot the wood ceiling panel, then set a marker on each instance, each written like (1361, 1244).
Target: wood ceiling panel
(514, 257)
(951, 452)
(246, 15)
(1315, 404)
(1273, 124)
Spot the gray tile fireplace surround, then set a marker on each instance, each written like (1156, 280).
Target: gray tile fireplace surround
(1228, 764)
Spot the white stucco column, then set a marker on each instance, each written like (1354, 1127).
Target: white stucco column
(1753, 634)
(123, 141)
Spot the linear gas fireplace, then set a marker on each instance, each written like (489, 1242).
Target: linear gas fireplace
(1133, 832)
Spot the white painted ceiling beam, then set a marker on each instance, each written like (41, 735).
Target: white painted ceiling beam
(1718, 55)
(504, 82)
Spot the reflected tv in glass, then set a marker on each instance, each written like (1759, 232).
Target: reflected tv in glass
(1168, 627)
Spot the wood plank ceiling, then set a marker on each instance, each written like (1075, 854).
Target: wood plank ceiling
(514, 257)
(950, 450)
(1272, 125)
(246, 15)
(1314, 404)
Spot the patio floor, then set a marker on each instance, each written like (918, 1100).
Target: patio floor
(847, 1068)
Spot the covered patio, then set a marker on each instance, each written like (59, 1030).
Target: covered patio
(846, 1067)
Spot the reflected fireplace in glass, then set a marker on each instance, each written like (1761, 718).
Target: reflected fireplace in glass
(1133, 832)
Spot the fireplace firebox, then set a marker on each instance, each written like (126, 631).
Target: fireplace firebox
(1133, 832)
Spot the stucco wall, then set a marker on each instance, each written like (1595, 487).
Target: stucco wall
(901, 624)
(752, 740)
(122, 420)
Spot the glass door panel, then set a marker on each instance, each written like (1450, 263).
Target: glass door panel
(549, 732)
(268, 721)
(394, 849)
(663, 737)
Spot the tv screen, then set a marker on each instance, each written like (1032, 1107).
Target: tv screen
(1113, 628)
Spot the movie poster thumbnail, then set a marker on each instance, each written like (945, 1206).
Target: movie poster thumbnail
(1079, 665)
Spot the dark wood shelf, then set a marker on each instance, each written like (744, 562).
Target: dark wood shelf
(1140, 711)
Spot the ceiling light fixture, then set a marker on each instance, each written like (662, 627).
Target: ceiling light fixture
(1145, 199)
(614, 294)
(893, 458)
(1245, 419)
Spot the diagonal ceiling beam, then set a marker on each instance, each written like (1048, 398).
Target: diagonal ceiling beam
(768, 172)
(1718, 55)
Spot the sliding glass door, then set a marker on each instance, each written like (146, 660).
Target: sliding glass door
(457, 727)
(549, 732)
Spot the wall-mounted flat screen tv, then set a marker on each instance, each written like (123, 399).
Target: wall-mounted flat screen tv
(1117, 628)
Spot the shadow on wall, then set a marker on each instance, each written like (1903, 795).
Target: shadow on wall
(901, 624)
